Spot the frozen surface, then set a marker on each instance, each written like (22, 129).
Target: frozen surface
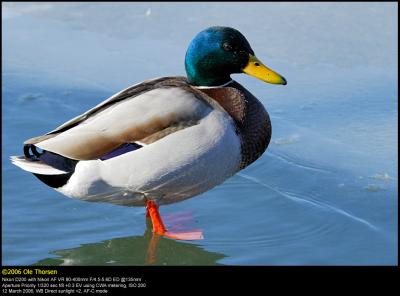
(325, 192)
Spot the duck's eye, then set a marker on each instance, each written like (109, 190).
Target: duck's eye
(227, 46)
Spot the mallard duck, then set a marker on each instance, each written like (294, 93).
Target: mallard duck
(163, 140)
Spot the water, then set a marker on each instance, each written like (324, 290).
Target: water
(325, 192)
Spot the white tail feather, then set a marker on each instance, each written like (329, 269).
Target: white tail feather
(35, 166)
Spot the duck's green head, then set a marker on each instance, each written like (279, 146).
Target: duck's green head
(217, 52)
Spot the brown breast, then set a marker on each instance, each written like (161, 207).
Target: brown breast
(252, 120)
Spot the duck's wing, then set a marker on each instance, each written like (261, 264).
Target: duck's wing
(127, 93)
(142, 114)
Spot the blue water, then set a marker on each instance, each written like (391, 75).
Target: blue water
(324, 193)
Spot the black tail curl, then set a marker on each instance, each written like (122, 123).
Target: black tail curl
(56, 161)
(31, 148)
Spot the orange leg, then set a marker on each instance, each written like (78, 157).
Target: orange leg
(152, 211)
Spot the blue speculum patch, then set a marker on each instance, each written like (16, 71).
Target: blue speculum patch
(125, 148)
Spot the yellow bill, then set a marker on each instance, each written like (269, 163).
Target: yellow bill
(258, 70)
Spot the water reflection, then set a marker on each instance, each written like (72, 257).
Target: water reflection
(149, 249)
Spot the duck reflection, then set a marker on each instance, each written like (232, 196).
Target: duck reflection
(149, 249)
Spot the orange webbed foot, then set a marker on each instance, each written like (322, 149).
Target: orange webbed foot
(159, 227)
